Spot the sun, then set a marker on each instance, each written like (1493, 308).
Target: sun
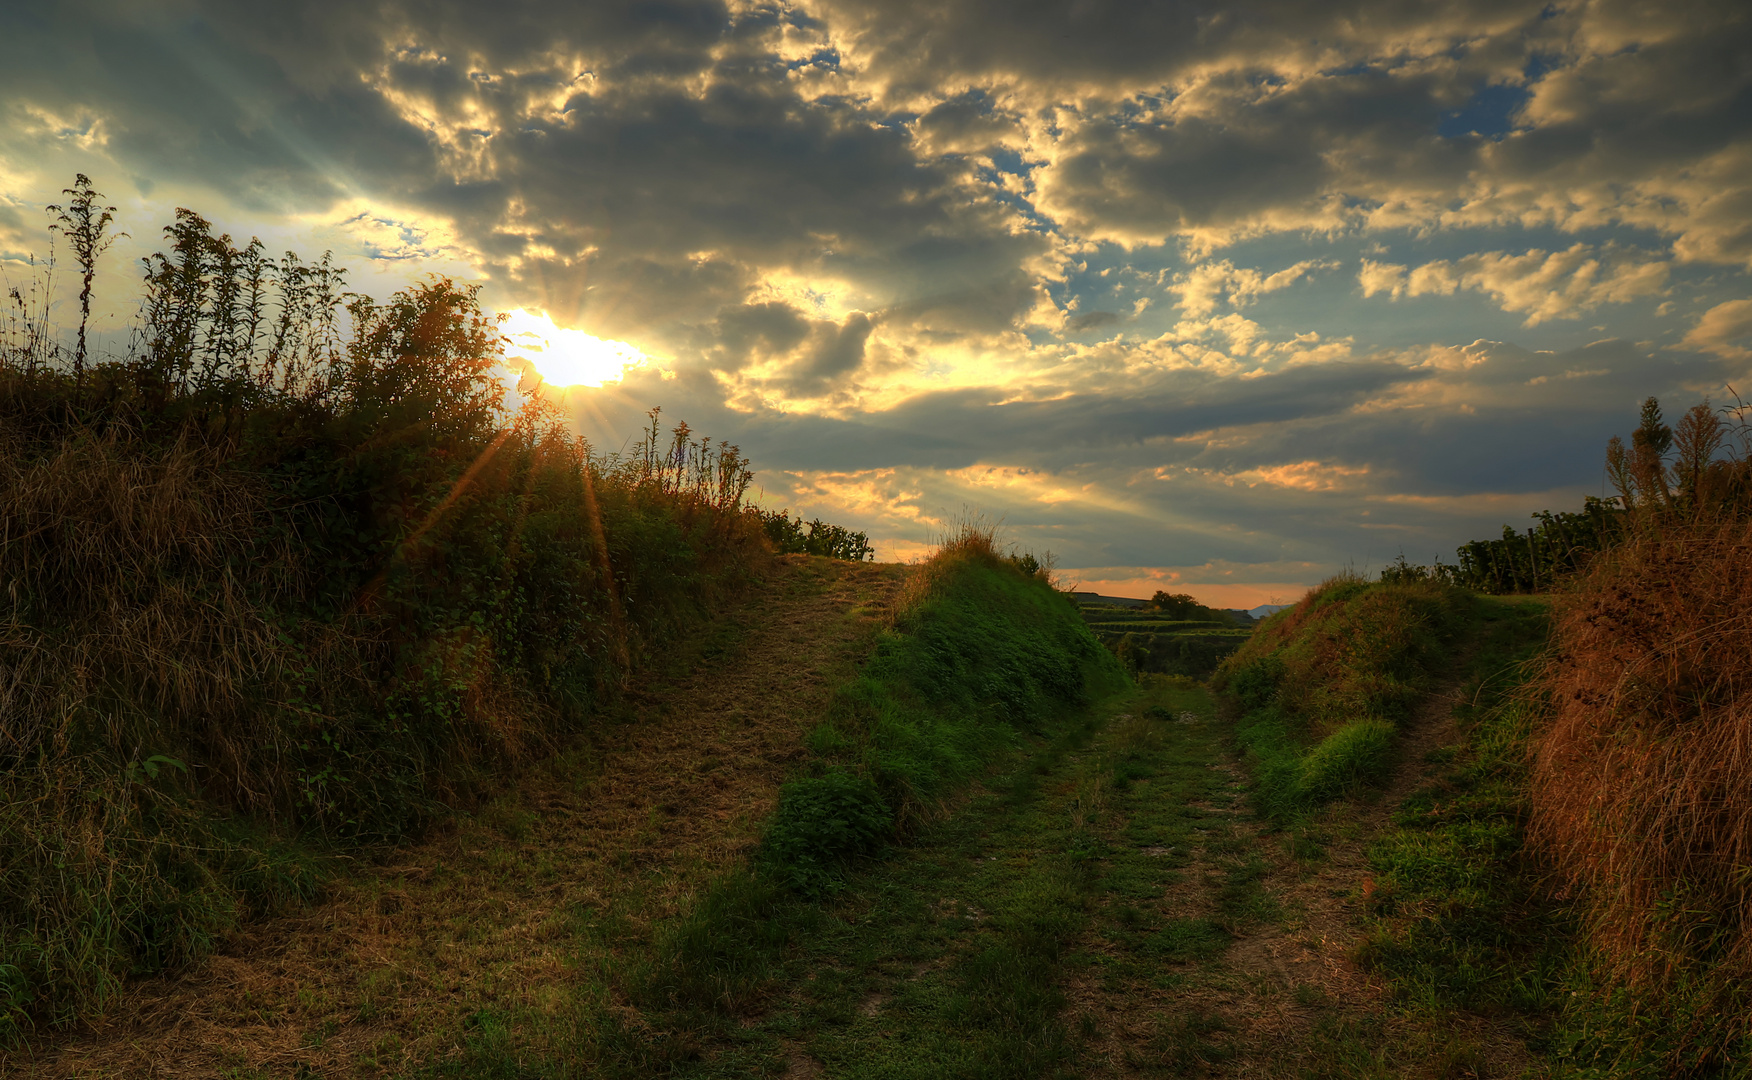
(568, 357)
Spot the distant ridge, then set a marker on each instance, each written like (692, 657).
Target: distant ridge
(1263, 610)
(1117, 601)
(1133, 602)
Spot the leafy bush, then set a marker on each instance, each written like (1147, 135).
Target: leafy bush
(1256, 683)
(821, 824)
(790, 537)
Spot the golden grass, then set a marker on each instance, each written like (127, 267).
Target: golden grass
(1642, 776)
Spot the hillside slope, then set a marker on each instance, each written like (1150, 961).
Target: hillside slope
(490, 918)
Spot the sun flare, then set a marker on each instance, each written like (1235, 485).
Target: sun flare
(566, 357)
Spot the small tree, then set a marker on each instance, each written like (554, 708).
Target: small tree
(84, 223)
(1178, 606)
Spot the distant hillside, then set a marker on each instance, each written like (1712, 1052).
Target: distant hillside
(1170, 634)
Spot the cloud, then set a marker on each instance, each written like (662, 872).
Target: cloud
(1545, 285)
(910, 253)
(1204, 285)
(1718, 328)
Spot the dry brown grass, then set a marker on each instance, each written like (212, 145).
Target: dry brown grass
(132, 645)
(1642, 778)
(124, 596)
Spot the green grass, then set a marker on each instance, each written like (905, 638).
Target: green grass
(953, 959)
(992, 657)
(1455, 923)
(988, 664)
(951, 956)
(1320, 690)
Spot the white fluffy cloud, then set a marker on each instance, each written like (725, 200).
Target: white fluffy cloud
(1544, 285)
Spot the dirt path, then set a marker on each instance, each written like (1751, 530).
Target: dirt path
(1289, 970)
(486, 921)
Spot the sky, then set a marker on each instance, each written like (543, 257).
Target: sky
(1219, 297)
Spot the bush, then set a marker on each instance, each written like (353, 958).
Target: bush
(789, 536)
(822, 823)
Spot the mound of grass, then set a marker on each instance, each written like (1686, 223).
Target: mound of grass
(980, 654)
(1320, 689)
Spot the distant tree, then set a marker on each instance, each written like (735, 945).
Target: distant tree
(84, 223)
(1178, 605)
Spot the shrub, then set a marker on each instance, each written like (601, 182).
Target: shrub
(822, 823)
(790, 536)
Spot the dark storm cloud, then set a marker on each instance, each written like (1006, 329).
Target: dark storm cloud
(1119, 44)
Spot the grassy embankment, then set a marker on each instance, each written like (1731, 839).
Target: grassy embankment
(981, 660)
(1388, 717)
(274, 594)
(1572, 867)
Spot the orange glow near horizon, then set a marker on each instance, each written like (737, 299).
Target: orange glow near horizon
(565, 357)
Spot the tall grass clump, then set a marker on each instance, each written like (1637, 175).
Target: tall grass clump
(291, 574)
(1320, 688)
(1641, 784)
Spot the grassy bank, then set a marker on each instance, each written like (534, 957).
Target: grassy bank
(980, 659)
(1320, 690)
(281, 593)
